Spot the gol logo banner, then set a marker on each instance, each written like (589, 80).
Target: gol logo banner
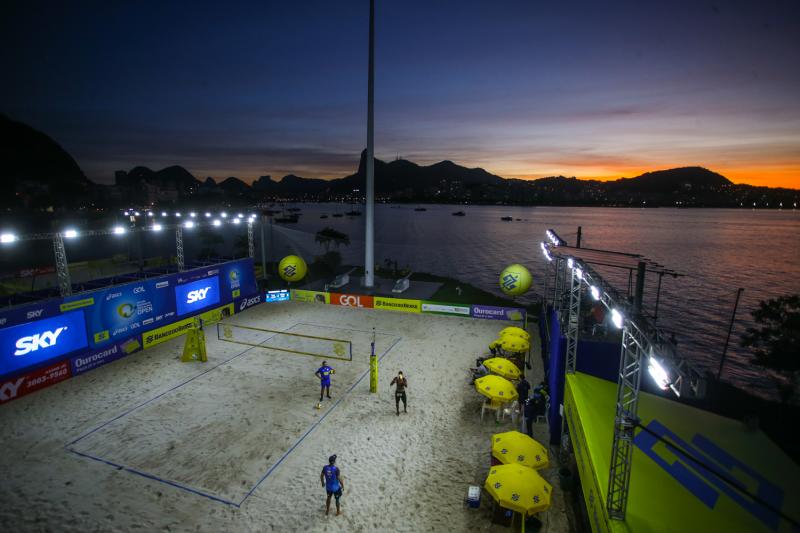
(351, 300)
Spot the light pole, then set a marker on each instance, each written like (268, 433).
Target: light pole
(369, 234)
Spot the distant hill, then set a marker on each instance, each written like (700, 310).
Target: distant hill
(35, 169)
(41, 173)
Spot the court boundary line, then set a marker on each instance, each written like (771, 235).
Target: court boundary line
(220, 499)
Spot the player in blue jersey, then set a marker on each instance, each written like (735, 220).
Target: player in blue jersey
(324, 373)
(332, 481)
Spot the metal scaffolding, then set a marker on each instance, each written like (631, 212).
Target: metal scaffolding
(62, 267)
(573, 323)
(179, 247)
(251, 250)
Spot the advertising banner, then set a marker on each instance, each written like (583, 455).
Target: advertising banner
(438, 308)
(240, 304)
(99, 357)
(398, 304)
(30, 344)
(351, 300)
(119, 312)
(498, 313)
(196, 295)
(311, 296)
(28, 313)
(237, 279)
(165, 333)
(278, 296)
(16, 387)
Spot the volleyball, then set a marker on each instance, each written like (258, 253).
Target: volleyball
(515, 280)
(292, 268)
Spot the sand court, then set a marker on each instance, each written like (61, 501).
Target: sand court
(221, 433)
(236, 444)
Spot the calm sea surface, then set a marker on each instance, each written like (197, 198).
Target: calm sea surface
(717, 251)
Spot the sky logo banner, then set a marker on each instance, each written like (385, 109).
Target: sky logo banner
(28, 313)
(18, 386)
(491, 312)
(29, 344)
(197, 295)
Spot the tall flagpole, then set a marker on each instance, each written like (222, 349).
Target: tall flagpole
(369, 237)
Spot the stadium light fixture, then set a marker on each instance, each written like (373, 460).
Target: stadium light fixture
(570, 262)
(216, 223)
(237, 220)
(118, 230)
(239, 215)
(658, 373)
(617, 318)
(70, 234)
(149, 213)
(579, 272)
(188, 224)
(125, 213)
(192, 214)
(136, 213)
(7, 238)
(178, 215)
(157, 227)
(163, 213)
(595, 292)
(208, 215)
(224, 214)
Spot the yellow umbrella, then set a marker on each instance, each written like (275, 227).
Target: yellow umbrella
(495, 388)
(514, 330)
(502, 367)
(513, 447)
(514, 344)
(518, 488)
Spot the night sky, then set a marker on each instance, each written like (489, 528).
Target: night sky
(521, 88)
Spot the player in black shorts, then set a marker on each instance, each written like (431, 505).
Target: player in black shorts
(400, 382)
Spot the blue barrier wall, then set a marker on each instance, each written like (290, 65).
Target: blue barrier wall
(557, 349)
(115, 316)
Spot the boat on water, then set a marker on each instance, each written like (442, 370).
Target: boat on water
(420, 209)
(353, 213)
(288, 219)
(293, 209)
(459, 214)
(337, 215)
(323, 216)
(507, 218)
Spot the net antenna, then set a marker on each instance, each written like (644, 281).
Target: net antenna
(283, 341)
(373, 366)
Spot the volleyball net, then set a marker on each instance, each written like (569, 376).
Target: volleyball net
(282, 341)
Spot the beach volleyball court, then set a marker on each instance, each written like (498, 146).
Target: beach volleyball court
(221, 433)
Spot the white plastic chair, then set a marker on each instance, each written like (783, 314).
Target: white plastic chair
(497, 407)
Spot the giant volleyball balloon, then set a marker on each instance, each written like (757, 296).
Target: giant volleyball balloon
(515, 280)
(292, 268)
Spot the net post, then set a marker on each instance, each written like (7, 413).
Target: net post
(373, 366)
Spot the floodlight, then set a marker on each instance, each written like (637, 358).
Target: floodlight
(579, 272)
(163, 213)
(216, 222)
(595, 292)
(118, 230)
(239, 215)
(136, 213)
(224, 214)
(570, 262)
(149, 213)
(177, 215)
(237, 220)
(156, 227)
(7, 238)
(208, 215)
(188, 224)
(616, 318)
(192, 214)
(125, 213)
(658, 373)
(70, 234)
